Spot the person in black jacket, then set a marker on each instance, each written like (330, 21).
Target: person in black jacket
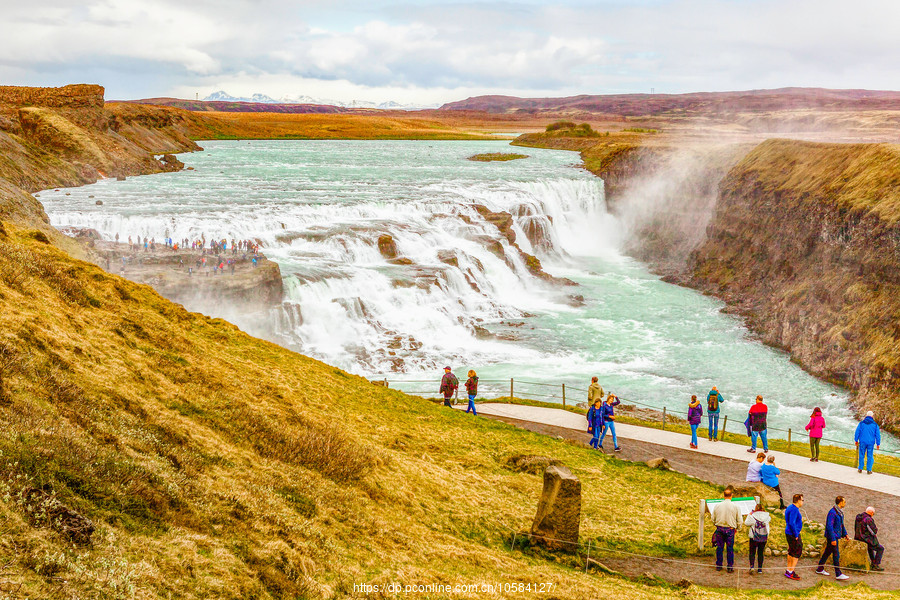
(866, 531)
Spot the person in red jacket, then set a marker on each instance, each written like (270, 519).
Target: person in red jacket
(758, 425)
(814, 427)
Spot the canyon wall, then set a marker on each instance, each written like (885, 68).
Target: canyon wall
(805, 243)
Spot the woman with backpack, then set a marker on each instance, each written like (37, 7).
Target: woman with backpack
(713, 400)
(595, 422)
(695, 415)
(757, 523)
(815, 427)
(472, 391)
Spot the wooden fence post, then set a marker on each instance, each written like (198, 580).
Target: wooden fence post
(789, 440)
(564, 395)
(664, 418)
(510, 389)
(724, 425)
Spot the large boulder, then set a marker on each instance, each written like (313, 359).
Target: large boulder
(558, 515)
(387, 246)
(854, 554)
(767, 496)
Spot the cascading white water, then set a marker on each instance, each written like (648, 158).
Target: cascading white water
(346, 303)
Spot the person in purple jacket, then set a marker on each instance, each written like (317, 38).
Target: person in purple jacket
(695, 415)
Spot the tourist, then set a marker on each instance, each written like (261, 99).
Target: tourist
(713, 400)
(834, 532)
(117, 237)
(595, 391)
(449, 383)
(867, 438)
(815, 427)
(726, 516)
(471, 384)
(608, 413)
(768, 474)
(757, 523)
(595, 422)
(755, 467)
(866, 531)
(758, 425)
(695, 415)
(793, 527)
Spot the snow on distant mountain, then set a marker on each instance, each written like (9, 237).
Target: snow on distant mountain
(222, 96)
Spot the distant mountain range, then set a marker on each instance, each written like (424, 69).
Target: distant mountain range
(222, 96)
(700, 102)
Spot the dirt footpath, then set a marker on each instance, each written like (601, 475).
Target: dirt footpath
(818, 497)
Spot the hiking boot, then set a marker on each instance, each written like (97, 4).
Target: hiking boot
(731, 569)
(859, 470)
(842, 577)
(754, 450)
(822, 571)
(877, 568)
(752, 570)
(868, 472)
(718, 567)
(715, 439)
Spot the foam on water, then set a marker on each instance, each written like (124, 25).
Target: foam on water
(318, 209)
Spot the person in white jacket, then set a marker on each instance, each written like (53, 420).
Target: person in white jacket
(757, 523)
(755, 466)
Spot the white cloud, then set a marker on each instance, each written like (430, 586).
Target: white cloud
(423, 50)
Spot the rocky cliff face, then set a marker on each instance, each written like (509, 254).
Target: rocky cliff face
(63, 137)
(805, 243)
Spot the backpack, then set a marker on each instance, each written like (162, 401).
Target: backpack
(712, 403)
(758, 530)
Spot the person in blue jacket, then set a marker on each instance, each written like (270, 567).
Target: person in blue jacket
(768, 474)
(793, 526)
(609, 420)
(834, 532)
(867, 438)
(595, 422)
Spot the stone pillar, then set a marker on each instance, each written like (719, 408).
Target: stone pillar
(559, 510)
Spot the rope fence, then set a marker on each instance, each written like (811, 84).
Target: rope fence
(496, 388)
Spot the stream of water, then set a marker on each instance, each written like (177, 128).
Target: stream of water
(466, 298)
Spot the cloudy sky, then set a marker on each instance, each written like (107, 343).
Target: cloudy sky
(427, 51)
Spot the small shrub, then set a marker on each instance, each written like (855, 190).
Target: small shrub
(556, 126)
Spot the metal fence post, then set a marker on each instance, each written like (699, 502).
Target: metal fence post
(510, 389)
(724, 425)
(564, 395)
(664, 418)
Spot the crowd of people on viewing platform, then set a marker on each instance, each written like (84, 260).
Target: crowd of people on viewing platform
(216, 247)
(212, 256)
